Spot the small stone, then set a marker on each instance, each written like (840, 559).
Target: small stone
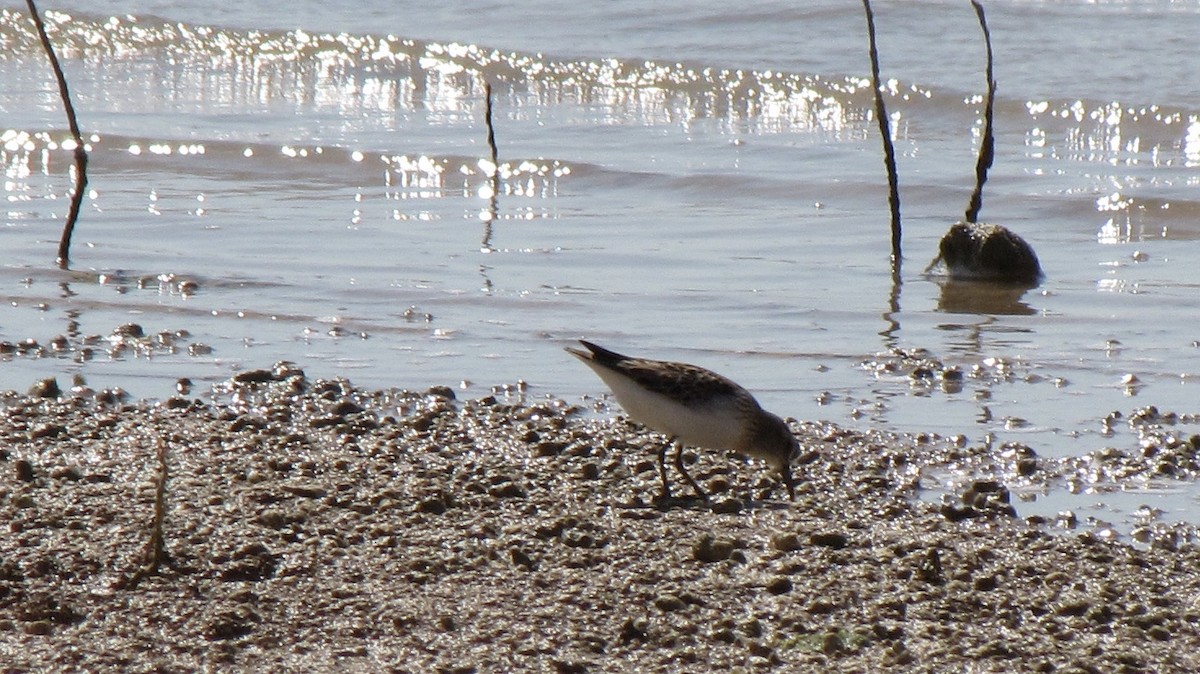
(724, 635)
(668, 603)
(47, 431)
(1026, 466)
(199, 349)
(956, 513)
(727, 506)
(569, 667)
(285, 369)
(709, 549)
(254, 377)
(522, 559)
(272, 518)
(24, 470)
(833, 540)
(305, 490)
(634, 629)
(346, 408)
(129, 330)
(831, 643)
(46, 388)
(1073, 608)
(231, 624)
(785, 542)
(985, 583)
(718, 485)
(507, 490)
(548, 448)
(986, 487)
(67, 473)
(434, 506)
(253, 562)
(780, 585)
(752, 628)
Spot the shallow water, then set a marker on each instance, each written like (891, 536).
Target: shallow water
(699, 182)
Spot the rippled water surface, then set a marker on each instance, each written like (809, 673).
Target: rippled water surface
(693, 181)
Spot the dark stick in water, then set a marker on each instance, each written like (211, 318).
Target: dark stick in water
(889, 152)
(987, 149)
(81, 158)
(487, 118)
(493, 204)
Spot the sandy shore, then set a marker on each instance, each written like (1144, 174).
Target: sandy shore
(314, 527)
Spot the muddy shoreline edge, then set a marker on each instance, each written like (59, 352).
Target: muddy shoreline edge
(316, 526)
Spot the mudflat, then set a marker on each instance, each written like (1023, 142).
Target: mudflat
(312, 526)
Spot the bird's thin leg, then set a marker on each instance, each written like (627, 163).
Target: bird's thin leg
(662, 468)
(788, 482)
(683, 471)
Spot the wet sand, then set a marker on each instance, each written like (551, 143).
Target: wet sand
(312, 526)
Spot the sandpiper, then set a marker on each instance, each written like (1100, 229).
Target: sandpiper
(693, 406)
(985, 252)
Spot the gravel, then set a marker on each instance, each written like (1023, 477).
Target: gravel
(310, 525)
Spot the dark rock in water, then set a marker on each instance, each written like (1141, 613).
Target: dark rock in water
(979, 251)
(129, 330)
(46, 388)
(253, 377)
(985, 499)
(284, 369)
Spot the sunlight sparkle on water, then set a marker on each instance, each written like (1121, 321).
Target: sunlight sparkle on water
(1191, 144)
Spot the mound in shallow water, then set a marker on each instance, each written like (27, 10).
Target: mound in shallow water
(319, 527)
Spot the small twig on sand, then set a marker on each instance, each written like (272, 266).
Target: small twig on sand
(889, 152)
(155, 553)
(81, 158)
(987, 148)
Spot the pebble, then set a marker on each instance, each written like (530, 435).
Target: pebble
(709, 549)
(24, 470)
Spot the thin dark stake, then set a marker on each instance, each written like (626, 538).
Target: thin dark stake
(493, 202)
(885, 132)
(487, 118)
(987, 149)
(81, 159)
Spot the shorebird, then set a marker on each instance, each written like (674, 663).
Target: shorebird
(985, 252)
(693, 406)
(977, 251)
